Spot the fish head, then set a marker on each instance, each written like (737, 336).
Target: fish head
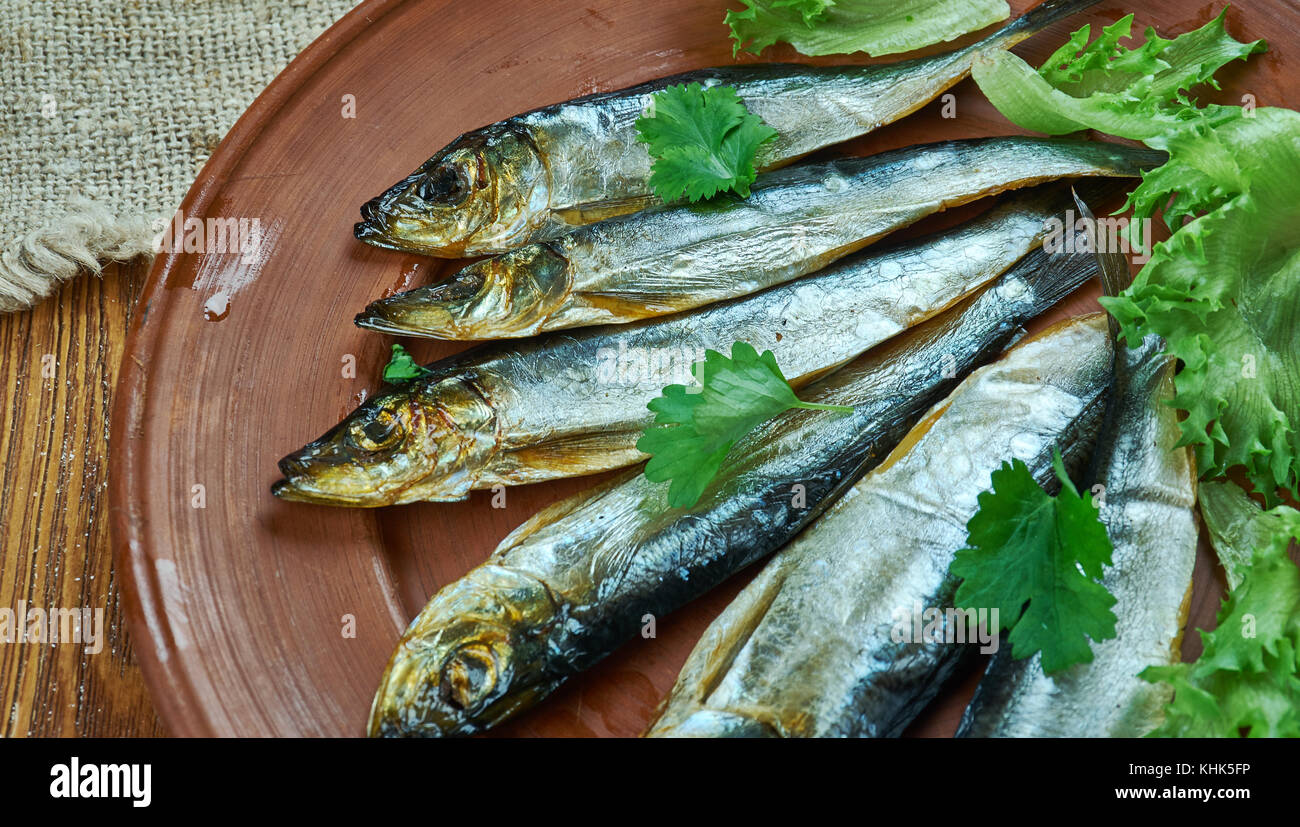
(484, 193)
(472, 657)
(509, 295)
(424, 442)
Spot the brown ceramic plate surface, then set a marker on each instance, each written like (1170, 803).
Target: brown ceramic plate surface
(241, 604)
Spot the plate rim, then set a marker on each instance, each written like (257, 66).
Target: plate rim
(171, 690)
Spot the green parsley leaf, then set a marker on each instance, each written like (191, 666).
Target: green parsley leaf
(1247, 679)
(693, 431)
(877, 27)
(1026, 547)
(703, 142)
(401, 367)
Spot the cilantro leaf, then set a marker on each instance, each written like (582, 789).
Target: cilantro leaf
(1038, 559)
(693, 431)
(401, 367)
(877, 27)
(703, 142)
(1246, 680)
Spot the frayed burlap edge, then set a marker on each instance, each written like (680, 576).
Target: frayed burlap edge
(87, 237)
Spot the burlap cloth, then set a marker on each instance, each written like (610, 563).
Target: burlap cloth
(108, 111)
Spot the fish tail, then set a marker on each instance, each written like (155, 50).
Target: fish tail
(1114, 267)
(1034, 21)
(715, 723)
(1053, 276)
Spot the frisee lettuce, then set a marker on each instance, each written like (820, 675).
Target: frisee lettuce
(1238, 526)
(877, 27)
(1224, 289)
(1224, 292)
(1247, 681)
(1138, 93)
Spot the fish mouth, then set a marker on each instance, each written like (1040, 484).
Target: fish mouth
(423, 697)
(298, 491)
(376, 235)
(378, 214)
(422, 312)
(297, 486)
(371, 232)
(371, 319)
(407, 703)
(372, 228)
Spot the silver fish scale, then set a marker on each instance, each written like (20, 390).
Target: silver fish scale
(642, 555)
(1150, 494)
(810, 325)
(591, 150)
(593, 156)
(582, 574)
(577, 162)
(799, 218)
(807, 649)
(796, 221)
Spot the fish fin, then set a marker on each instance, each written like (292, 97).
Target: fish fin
(1053, 277)
(631, 306)
(1033, 21)
(570, 455)
(1115, 274)
(718, 648)
(558, 510)
(581, 215)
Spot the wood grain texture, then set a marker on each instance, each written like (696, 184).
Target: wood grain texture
(54, 547)
(240, 605)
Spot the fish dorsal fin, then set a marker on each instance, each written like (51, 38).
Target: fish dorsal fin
(1114, 267)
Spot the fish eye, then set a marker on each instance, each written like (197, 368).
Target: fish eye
(378, 432)
(468, 676)
(443, 185)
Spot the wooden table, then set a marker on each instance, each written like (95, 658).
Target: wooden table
(54, 548)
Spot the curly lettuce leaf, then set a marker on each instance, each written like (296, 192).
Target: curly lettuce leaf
(1137, 93)
(1247, 681)
(1224, 292)
(1238, 526)
(811, 12)
(1224, 288)
(703, 142)
(877, 27)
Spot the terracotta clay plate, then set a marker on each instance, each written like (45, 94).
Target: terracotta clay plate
(253, 616)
